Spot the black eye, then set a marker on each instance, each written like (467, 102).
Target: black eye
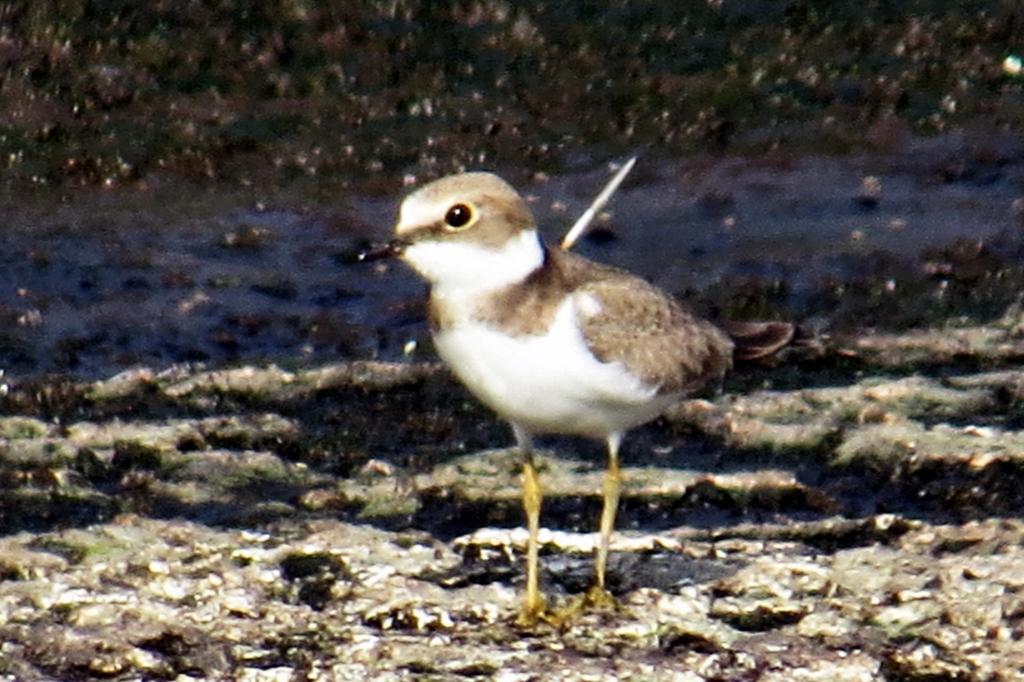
(458, 216)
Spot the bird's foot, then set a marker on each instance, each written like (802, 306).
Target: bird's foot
(533, 613)
(598, 598)
(595, 599)
(558, 618)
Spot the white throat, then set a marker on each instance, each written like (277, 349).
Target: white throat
(456, 268)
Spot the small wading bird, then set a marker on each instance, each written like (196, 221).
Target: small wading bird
(553, 342)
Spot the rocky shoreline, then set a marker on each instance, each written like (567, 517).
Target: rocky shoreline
(196, 524)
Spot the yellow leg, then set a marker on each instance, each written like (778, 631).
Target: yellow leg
(612, 483)
(533, 607)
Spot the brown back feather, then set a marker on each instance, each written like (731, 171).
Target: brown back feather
(640, 326)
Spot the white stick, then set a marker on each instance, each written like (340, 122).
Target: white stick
(584, 220)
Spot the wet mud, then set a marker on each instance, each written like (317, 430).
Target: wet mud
(227, 450)
(363, 519)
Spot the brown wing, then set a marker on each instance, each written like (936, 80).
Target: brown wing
(651, 334)
(633, 322)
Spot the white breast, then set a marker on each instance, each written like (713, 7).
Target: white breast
(549, 383)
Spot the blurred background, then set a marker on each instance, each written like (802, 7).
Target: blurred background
(189, 181)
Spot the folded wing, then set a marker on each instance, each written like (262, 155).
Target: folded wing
(624, 319)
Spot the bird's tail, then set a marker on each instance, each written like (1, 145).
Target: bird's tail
(755, 341)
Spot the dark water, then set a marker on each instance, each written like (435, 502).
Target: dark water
(100, 285)
(106, 281)
(194, 190)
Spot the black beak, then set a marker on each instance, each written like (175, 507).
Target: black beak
(378, 251)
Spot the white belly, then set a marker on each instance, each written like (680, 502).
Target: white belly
(550, 383)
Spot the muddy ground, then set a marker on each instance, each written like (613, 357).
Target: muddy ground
(226, 448)
(850, 513)
(362, 521)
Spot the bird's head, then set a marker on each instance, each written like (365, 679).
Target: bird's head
(471, 230)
